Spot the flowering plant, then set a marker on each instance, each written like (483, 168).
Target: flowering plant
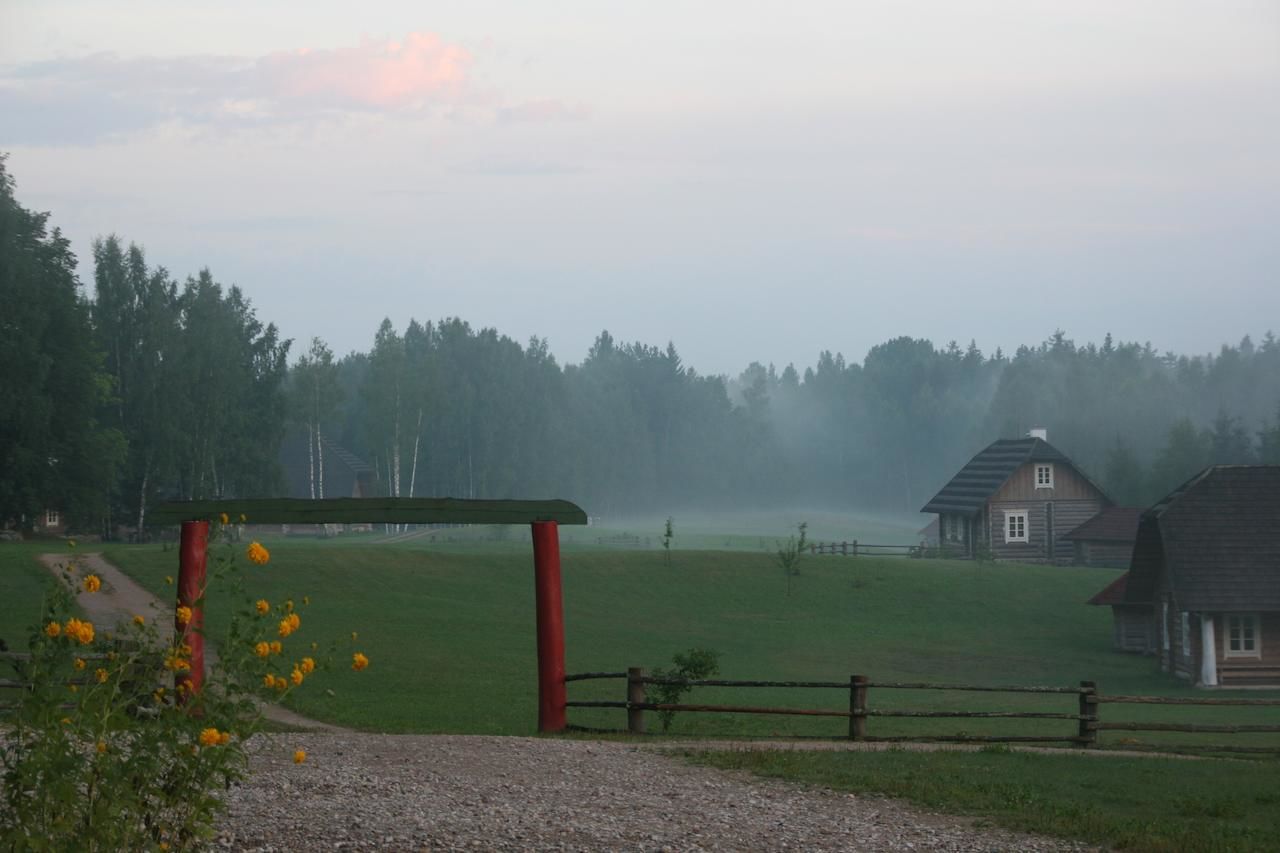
(103, 752)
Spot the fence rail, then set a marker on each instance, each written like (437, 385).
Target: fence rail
(854, 548)
(1087, 717)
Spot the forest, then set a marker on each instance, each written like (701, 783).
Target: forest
(138, 386)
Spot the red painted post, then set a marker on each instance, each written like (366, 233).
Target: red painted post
(550, 611)
(192, 561)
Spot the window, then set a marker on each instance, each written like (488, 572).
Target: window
(1044, 476)
(954, 533)
(1015, 526)
(51, 518)
(1243, 637)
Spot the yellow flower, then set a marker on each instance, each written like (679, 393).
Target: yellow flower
(73, 688)
(268, 680)
(177, 664)
(158, 695)
(168, 579)
(262, 606)
(262, 650)
(285, 628)
(79, 664)
(163, 845)
(184, 650)
(308, 665)
(66, 721)
(223, 518)
(209, 737)
(53, 629)
(354, 636)
(306, 600)
(288, 605)
(182, 615)
(82, 632)
(242, 518)
(315, 646)
(296, 677)
(102, 747)
(359, 661)
(91, 583)
(139, 620)
(277, 647)
(282, 683)
(258, 554)
(71, 543)
(295, 620)
(299, 756)
(102, 675)
(224, 738)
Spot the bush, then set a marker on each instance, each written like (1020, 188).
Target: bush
(692, 665)
(103, 753)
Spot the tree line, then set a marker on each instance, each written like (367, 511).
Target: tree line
(153, 388)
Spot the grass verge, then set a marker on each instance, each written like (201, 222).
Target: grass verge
(1140, 804)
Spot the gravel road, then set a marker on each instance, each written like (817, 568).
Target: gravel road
(412, 792)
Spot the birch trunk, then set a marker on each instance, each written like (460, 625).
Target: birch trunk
(320, 456)
(413, 470)
(142, 498)
(311, 460)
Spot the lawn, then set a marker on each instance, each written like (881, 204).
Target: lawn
(23, 582)
(450, 628)
(1140, 804)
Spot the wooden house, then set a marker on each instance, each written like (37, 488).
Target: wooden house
(1106, 540)
(1207, 563)
(1014, 500)
(1132, 625)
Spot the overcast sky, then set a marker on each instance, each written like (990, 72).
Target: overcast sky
(752, 181)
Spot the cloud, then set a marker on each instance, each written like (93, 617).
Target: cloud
(544, 110)
(87, 98)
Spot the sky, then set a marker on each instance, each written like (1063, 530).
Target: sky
(751, 181)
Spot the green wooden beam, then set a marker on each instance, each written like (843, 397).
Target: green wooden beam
(371, 511)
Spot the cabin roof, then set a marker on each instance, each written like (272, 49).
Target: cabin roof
(1113, 524)
(1112, 593)
(1217, 538)
(971, 488)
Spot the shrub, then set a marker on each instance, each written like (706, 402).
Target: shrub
(692, 665)
(103, 753)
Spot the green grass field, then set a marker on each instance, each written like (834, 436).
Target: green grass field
(1139, 804)
(23, 582)
(450, 627)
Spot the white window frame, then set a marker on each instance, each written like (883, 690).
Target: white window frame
(1047, 468)
(1254, 621)
(1011, 514)
(52, 518)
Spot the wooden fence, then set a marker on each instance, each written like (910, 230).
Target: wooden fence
(854, 548)
(1087, 717)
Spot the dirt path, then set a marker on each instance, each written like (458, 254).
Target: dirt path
(121, 598)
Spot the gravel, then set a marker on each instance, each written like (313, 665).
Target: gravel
(441, 792)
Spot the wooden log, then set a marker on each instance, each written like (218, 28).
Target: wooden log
(635, 698)
(858, 707)
(977, 688)
(720, 682)
(1183, 700)
(974, 739)
(584, 676)
(593, 703)
(743, 709)
(1030, 715)
(1183, 727)
(372, 510)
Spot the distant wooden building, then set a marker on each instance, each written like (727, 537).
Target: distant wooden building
(1106, 540)
(345, 474)
(1207, 563)
(1015, 499)
(1133, 627)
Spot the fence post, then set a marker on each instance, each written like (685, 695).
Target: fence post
(1088, 731)
(844, 549)
(635, 695)
(855, 547)
(192, 562)
(857, 705)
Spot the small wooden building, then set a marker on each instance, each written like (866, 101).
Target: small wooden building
(1015, 499)
(1134, 630)
(1106, 540)
(1207, 562)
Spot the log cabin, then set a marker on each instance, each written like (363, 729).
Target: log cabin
(1106, 540)
(1207, 563)
(1014, 500)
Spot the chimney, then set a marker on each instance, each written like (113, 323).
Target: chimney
(1039, 432)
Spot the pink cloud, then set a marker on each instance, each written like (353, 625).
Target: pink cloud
(376, 74)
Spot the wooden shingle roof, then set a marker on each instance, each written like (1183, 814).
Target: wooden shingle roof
(970, 489)
(1113, 524)
(1217, 537)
